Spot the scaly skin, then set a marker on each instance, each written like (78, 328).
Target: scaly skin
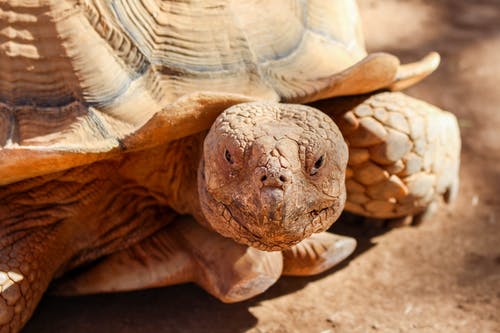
(404, 154)
(53, 223)
(56, 222)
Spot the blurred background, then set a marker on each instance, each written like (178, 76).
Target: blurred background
(441, 276)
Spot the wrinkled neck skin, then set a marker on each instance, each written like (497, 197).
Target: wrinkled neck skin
(169, 173)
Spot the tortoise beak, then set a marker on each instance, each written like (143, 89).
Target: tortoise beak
(272, 205)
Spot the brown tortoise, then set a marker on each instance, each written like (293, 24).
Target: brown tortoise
(105, 108)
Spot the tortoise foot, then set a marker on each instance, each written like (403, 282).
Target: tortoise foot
(182, 252)
(317, 254)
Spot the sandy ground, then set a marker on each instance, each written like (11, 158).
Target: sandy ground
(442, 276)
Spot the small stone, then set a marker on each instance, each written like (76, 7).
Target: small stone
(369, 173)
(393, 149)
(369, 133)
(358, 156)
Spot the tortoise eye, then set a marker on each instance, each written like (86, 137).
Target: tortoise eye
(317, 165)
(228, 157)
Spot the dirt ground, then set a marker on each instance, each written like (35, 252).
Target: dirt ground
(442, 276)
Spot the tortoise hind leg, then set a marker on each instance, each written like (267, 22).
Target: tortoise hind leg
(317, 254)
(182, 252)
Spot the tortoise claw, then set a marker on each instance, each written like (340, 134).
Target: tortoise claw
(317, 254)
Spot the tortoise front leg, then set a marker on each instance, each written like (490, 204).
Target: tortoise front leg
(28, 261)
(404, 155)
(182, 252)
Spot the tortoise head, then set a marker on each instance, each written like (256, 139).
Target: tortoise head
(272, 174)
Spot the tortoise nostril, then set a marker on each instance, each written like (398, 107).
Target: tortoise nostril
(273, 178)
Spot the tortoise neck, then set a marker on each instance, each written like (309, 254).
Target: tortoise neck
(168, 172)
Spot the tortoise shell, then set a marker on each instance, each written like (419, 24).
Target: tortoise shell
(81, 80)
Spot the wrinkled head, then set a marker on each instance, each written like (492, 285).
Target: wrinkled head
(272, 174)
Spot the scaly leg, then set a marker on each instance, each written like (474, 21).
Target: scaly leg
(182, 252)
(404, 156)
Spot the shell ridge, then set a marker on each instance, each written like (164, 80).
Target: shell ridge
(259, 70)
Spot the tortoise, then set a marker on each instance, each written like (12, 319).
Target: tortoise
(117, 116)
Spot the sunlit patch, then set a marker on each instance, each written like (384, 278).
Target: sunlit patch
(8, 279)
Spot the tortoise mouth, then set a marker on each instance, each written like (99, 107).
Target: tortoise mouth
(269, 225)
(272, 238)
